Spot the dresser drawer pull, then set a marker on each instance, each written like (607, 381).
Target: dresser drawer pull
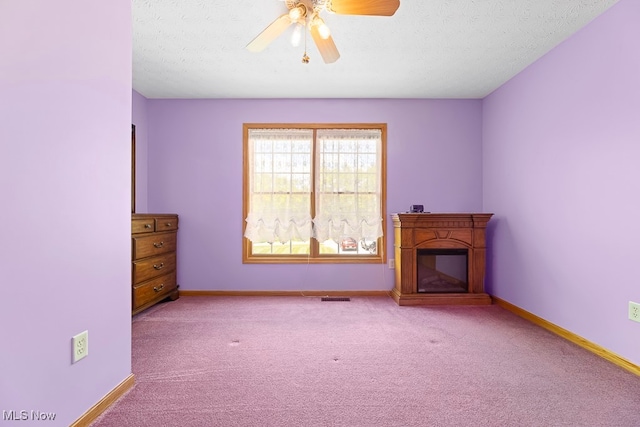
(168, 224)
(159, 266)
(158, 245)
(147, 226)
(158, 288)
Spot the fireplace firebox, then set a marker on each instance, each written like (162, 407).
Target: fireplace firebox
(440, 258)
(442, 270)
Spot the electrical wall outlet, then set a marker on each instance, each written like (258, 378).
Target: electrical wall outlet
(392, 263)
(634, 311)
(80, 346)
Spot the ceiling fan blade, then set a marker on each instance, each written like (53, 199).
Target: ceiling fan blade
(327, 47)
(364, 7)
(270, 33)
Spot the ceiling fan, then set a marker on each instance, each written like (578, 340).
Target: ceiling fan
(306, 13)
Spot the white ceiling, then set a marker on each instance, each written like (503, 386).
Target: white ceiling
(428, 49)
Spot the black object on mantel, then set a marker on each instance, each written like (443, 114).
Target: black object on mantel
(416, 209)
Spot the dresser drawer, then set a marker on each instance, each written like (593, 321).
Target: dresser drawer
(153, 256)
(153, 289)
(149, 268)
(155, 244)
(143, 225)
(166, 224)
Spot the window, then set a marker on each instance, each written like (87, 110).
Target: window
(314, 193)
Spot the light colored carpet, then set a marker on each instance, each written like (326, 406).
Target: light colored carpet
(296, 361)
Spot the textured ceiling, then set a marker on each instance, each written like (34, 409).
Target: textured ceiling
(428, 49)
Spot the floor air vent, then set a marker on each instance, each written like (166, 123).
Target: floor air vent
(336, 299)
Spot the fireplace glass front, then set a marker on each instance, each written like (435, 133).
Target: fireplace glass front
(442, 270)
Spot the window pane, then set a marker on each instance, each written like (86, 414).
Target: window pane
(263, 162)
(348, 199)
(301, 162)
(262, 146)
(301, 147)
(282, 162)
(328, 247)
(279, 199)
(278, 248)
(349, 246)
(281, 182)
(299, 201)
(367, 183)
(368, 247)
(329, 162)
(300, 183)
(329, 182)
(347, 146)
(368, 146)
(347, 183)
(281, 146)
(367, 163)
(262, 183)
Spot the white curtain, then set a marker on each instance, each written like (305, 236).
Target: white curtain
(348, 184)
(280, 185)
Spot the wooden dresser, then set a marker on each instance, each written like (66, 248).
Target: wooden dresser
(153, 253)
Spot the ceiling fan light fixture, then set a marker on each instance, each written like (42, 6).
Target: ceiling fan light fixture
(298, 12)
(305, 13)
(323, 29)
(296, 35)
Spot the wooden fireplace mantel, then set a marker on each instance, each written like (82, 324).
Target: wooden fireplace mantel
(415, 231)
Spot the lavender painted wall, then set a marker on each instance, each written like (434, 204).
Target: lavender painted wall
(65, 113)
(561, 149)
(139, 118)
(195, 170)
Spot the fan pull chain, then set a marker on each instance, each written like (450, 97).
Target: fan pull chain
(305, 57)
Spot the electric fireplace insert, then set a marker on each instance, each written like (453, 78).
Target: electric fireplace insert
(442, 270)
